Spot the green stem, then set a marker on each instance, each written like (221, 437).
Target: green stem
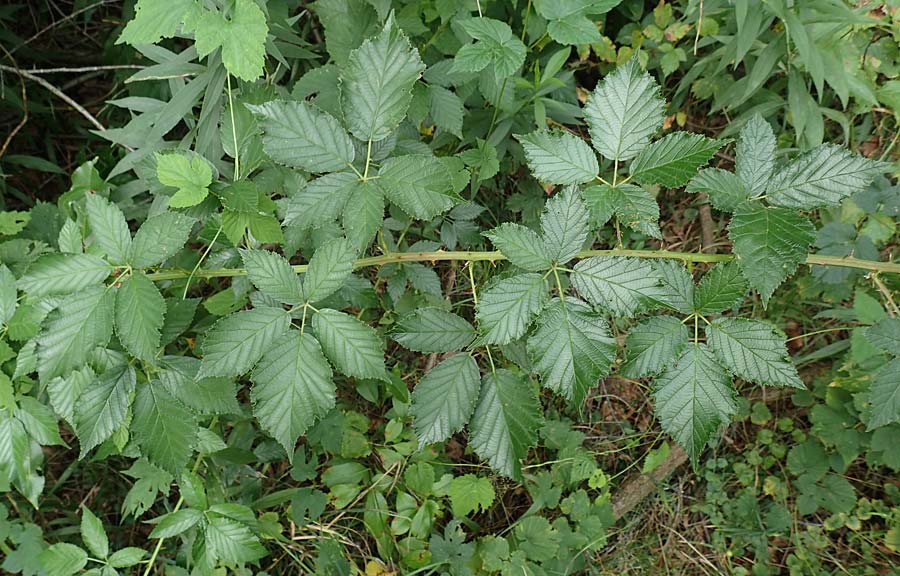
(442, 256)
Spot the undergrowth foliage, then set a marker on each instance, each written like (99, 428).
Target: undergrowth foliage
(274, 200)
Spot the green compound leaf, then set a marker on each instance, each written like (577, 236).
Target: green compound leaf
(109, 227)
(522, 246)
(469, 493)
(720, 289)
(273, 276)
(884, 396)
(293, 387)
(154, 20)
(163, 427)
(624, 112)
(235, 343)
(328, 269)
(420, 185)
(321, 201)
(693, 399)
(352, 346)
(93, 534)
(678, 285)
(102, 408)
(885, 335)
(8, 294)
(752, 350)
(83, 322)
(624, 286)
(242, 37)
(364, 220)
(495, 46)
(674, 159)
(565, 225)
(571, 348)
(653, 345)
(770, 243)
(822, 177)
(632, 205)
(231, 542)
(447, 110)
(506, 309)
(433, 330)
(300, 135)
(505, 422)
(755, 155)
(159, 238)
(725, 189)
(376, 86)
(140, 313)
(175, 523)
(559, 157)
(444, 399)
(59, 274)
(191, 177)
(62, 559)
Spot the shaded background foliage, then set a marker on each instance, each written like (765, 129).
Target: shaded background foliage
(799, 485)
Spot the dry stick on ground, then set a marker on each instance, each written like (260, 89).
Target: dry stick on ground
(641, 485)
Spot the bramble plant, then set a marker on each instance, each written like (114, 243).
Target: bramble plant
(209, 302)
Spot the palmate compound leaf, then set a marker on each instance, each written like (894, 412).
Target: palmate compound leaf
(720, 289)
(674, 159)
(507, 307)
(420, 185)
(693, 398)
(755, 155)
(159, 238)
(677, 284)
(140, 312)
(163, 427)
(885, 335)
(352, 346)
(103, 406)
(56, 274)
(752, 350)
(653, 345)
(273, 276)
(321, 201)
(236, 342)
(624, 286)
(505, 422)
(559, 157)
(242, 37)
(822, 177)
(83, 321)
(109, 228)
(443, 400)
(300, 135)
(564, 224)
(154, 20)
(191, 176)
(571, 348)
(329, 267)
(725, 189)
(231, 542)
(363, 221)
(632, 205)
(770, 243)
(522, 246)
(624, 112)
(495, 46)
(433, 330)
(293, 387)
(377, 82)
(884, 396)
